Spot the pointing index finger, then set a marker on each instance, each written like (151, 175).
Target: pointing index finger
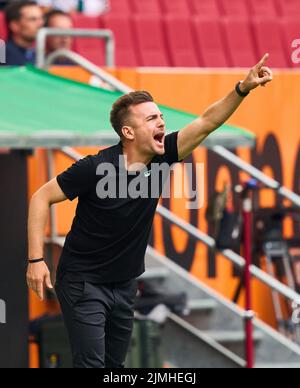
(262, 61)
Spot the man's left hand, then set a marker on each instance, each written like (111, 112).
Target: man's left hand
(259, 75)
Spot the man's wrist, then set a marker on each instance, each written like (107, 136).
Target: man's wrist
(241, 89)
(35, 261)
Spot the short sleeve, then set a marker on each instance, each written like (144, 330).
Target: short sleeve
(171, 148)
(78, 179)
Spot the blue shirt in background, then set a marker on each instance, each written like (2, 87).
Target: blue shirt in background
(18, 56)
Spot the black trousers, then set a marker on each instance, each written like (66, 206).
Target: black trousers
(99, 320)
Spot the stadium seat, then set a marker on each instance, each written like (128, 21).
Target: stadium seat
(120, 7)
(92, 49)
(151, 41)
(205, 8)
(3, 28)
(177, 7)
(234, 8)
(239, 42)
(289, 8)
(124, 39)
(210, 42)
(83, 21)
(291, 33)
(146, 7)
(269, 38)
(181, 41)
(266, 8)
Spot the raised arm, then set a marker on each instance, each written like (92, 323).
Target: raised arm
(38, 274)
(217, 114)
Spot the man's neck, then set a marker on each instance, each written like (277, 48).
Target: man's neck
(133, 156)
(22, 43)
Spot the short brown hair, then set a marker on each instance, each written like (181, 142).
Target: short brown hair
(52, 13)
(120, 109)
(14, 9)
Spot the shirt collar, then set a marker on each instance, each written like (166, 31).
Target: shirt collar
(29, 51)
(118, 151)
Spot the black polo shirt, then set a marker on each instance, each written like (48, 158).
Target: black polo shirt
(109, 236)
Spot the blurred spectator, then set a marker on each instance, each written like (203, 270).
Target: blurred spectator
(24, 19)
(89, 7)
(63, 5)
(95, 7)
(59, 19)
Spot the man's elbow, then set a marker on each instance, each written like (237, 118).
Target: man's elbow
(40, 197)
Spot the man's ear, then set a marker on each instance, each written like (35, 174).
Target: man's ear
(14, 26)
(128, 132)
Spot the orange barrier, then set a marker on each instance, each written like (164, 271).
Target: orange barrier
(271, 113)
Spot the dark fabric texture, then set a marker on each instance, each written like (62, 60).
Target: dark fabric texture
(99, 320)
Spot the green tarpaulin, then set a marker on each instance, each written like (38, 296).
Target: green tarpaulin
(42, 110)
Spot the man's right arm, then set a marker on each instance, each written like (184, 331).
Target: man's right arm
(38, 274)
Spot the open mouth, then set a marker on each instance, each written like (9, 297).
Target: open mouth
(159, 139)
